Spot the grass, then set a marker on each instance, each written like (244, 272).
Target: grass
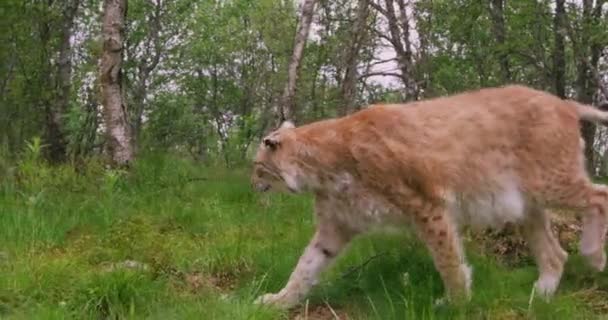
(174, 240)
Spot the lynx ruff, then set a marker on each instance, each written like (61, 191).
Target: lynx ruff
(482, 159)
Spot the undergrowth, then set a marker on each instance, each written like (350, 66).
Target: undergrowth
(171, 239)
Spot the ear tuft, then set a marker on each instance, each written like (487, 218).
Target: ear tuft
(287, 125)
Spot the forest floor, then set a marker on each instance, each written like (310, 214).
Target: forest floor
(172, 240)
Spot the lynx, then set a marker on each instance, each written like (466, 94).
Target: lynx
(481, 158)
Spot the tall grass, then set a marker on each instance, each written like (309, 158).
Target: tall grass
(174, 240)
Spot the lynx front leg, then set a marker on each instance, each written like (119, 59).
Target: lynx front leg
(440, 235)
(326, 244)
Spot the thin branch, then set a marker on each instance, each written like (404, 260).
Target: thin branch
(361, 266)
(380, 73)
(382, 61)
(332, 311)
(378, 8)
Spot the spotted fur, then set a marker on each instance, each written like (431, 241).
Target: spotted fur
(482, 158)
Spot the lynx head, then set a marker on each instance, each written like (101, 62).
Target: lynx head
(274, 166)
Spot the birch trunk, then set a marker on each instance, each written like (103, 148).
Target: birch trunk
(287, 108)
(118, 136)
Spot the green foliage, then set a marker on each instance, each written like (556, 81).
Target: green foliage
(190, 64)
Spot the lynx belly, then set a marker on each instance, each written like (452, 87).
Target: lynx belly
(493, 208)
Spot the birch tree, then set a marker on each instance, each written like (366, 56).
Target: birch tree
(287, 102)
(357, 37)
(119, 139)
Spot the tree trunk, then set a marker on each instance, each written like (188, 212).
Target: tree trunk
(53, 134)
(584, 85)
(287, 108)
(357, 36)
(118, 133)
(145, 66)
(500, 33)
(398, 37)
(559, 61)
(57, 141)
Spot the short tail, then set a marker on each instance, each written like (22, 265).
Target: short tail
(589, 113)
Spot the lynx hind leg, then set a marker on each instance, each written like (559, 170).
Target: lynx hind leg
(592, 199)
(548, 254)
(595, 224)
(441, 237)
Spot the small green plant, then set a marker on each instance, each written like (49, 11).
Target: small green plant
(112, 179)
(33, 150)
(32, 171)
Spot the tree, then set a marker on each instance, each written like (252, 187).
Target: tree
(56, 134)
(153, 33)
(118, 133)
(559, 59)
(146, 61)
(356, 39)
(211, 77)
(395, 13)
(287, 102)
(587, 45)
(500, 33)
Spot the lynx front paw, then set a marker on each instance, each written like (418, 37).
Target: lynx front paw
(279, 300)
(546, 286)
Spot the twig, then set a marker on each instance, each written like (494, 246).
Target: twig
(380, 73)
(332, 311)
(361, 266)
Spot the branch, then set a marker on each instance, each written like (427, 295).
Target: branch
(380, 73)
(378, 8)
(374, 63)
(361, 266)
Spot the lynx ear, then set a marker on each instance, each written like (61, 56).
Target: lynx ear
(271, 142)
(287, 125)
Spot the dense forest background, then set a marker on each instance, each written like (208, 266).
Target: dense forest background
(207, 78)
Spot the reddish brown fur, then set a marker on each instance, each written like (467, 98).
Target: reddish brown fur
(413, 158)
